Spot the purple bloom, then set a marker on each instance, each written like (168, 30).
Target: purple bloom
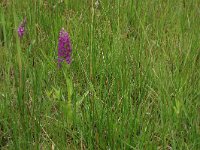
(21, 28)
(64, 47)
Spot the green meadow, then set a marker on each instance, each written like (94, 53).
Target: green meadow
(133, 81)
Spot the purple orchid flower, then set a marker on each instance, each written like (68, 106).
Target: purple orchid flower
(64, 47)
(21, 28)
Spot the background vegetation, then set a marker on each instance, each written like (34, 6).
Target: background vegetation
(134, 81)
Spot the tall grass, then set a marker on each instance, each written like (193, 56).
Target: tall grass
(134, 80)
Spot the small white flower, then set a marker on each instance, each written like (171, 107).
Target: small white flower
(97, 3)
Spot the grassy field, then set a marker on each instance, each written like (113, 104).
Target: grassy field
(134, 80)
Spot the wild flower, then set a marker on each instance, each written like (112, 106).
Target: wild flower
(64, 47)
(21, 28)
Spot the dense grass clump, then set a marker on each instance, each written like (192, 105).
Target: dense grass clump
(133, 81)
